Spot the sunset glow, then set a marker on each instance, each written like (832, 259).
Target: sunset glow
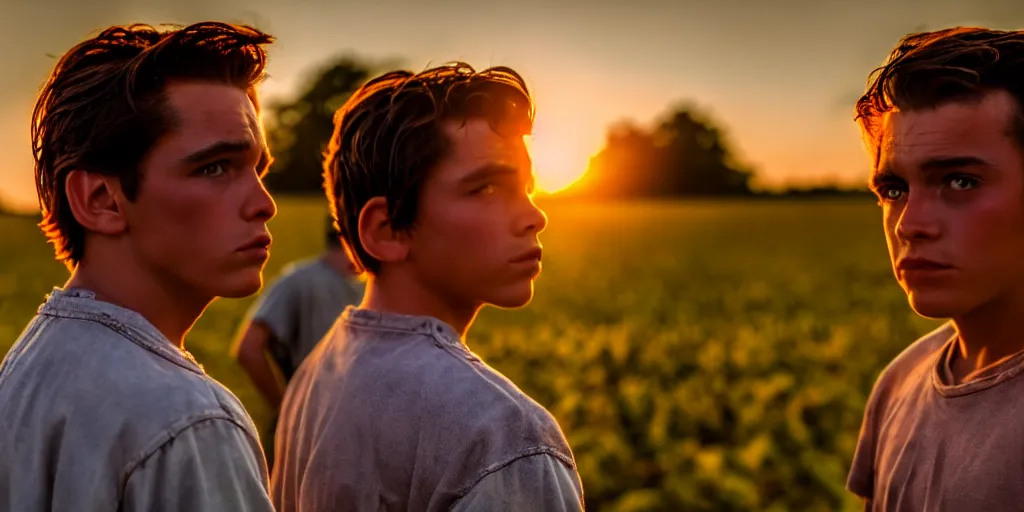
(558, 159)
(785, 104)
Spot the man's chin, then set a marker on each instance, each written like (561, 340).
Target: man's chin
(936, 305)
(514, 297)
(240, 286)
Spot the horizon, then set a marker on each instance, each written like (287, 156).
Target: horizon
(780, 81)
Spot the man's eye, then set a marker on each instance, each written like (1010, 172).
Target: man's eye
(888, 193)
(962, 183)
(213, 170)
(487, 189)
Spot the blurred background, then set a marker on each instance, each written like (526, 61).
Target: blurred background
(716, 300)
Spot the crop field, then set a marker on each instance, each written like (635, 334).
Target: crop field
(698, 355)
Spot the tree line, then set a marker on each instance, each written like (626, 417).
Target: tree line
(685, 153)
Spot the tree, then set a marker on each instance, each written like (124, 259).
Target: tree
(685, 154)
(625, 167)
(696, 156)
(298, 130)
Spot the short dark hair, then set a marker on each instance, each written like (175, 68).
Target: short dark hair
(389, 135)
(928, 69)
(103, 107)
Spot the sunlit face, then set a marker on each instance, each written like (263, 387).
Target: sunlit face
(475, 238)
(950, 185)
(199, 221)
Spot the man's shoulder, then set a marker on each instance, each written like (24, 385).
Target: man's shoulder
(77, 396)
(291, 272)
(495, 421)
(300, 269)
(488, 386)
(907, 371)
(302, 277)
(441, 379)
(100, 379)
(278, 296)
(453, 377)
(909, 362)
(487, 403)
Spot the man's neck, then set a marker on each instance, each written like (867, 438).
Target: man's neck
(988, 335)
(397, 293)
(124, 283)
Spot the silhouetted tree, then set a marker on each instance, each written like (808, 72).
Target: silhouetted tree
(685, 154)
(695, 157)
(298, 130)
(625, 167)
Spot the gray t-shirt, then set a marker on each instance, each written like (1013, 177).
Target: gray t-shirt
(929, 444)
(100, 412)
(394, 412)
(301, 306)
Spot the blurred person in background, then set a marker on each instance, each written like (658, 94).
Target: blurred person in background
(290, 317)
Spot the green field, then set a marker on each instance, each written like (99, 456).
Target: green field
(699, 356)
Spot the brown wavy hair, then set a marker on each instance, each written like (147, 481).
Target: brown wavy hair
(103, 107)
(928, 69)
(389, 135)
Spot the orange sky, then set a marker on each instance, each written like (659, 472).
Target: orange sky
(781, 79)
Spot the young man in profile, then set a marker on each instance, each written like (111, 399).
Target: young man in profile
(291, 316)
(944, 123)
(149, 154)
(430, 182)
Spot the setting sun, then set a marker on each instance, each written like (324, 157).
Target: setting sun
(558, 162)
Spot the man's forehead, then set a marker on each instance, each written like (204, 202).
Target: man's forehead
(474, 139)
(925, 145)
(929, 131)
(214, 110)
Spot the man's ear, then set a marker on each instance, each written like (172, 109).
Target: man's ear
(376, 234)
(96, 201)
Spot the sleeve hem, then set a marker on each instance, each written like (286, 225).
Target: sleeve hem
(540, 450)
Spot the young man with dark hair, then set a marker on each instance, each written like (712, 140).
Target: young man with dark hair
(291, 316)
(944, 124)
(149, 158)
(430, 181)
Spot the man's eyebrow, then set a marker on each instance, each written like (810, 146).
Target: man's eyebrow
(883, 176)
(946, 163)
(489, 170)
(216, 149)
